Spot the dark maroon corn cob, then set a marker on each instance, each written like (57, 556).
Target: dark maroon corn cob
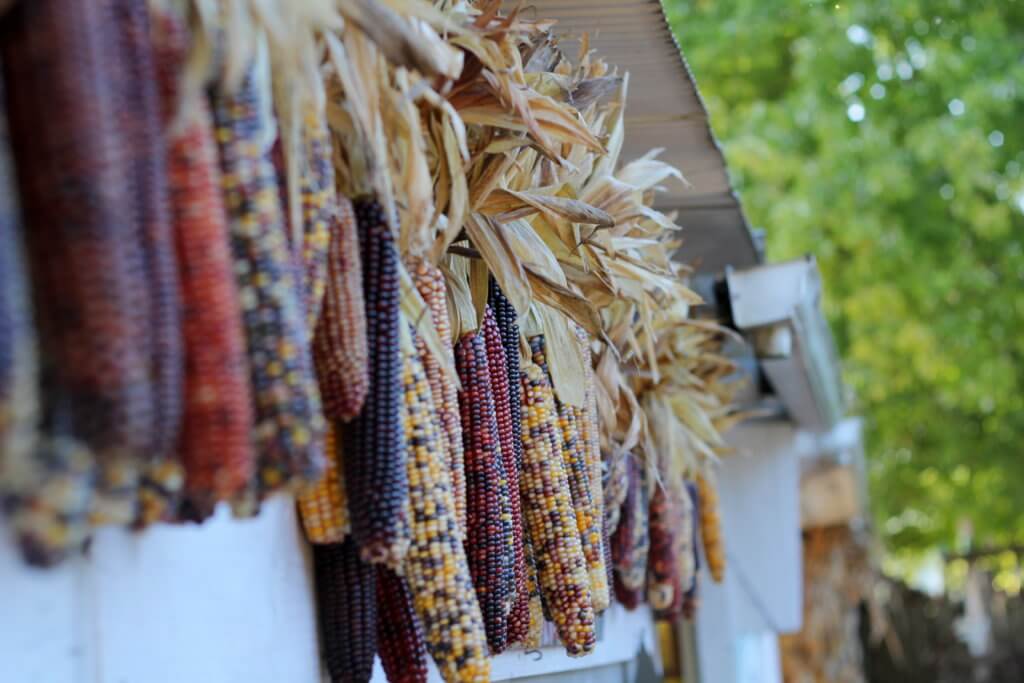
(374, 456)
(400, 641)
(490, 551)
(691, 598)
(630, 542)
(76, 176)
(510, 441)
(346, 596)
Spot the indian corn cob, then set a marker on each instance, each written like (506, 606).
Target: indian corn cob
(668, 530)
(400, 642)
(374, 460)
(288, 419)
(532, 639)
(551, 520)
(339, 345)
(588, 521)
(710, 525)
(436, 566)
(430, 284)
(84, 239)
(631, 540)
(346, 596)
(324, 505)
(216, 437)
(510, 440)
(489, 540)
(616, 482)
(506, 319)
(691, 599)
(319, 206)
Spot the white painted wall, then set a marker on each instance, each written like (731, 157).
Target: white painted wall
(762, 595)
(226, 602)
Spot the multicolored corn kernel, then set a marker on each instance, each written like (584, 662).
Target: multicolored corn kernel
(319, 208)
(339, 344)
(430, 284)
(489, 541)
(216, 438)
(710, 525)
(669, 514)
(372, 443)
(400, 641)
(346, 596)
(436, 566)
(288, 420)
(551, 520)
(578, 469)
(84, 236)
(631, 540)
(510, 441)
(324, 505)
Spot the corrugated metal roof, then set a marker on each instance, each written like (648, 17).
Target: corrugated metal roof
(664, 109)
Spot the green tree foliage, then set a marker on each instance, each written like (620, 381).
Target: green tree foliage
(887, 138)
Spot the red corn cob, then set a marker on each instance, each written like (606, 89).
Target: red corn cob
(216, 439)
(510, 441)
(489, 542)
(430, 284)
(374, 460)
(339, 346)
(75, 173)
(402, 649)
(346, 595)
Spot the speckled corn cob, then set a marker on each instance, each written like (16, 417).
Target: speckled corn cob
(551, 520)
(631, 540)
(510, 440)
(668, 528)
(578, 470)
(324, 505)
(400, 642)
(143, 128)
(346, 596)
(710, 525)
(75, 174)
(339, 346)
(289, 423)
(216, 439)
(436, 566)
(319, 207)
(489, 541)
(430, 284)
(505, 317)
(374, 460)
